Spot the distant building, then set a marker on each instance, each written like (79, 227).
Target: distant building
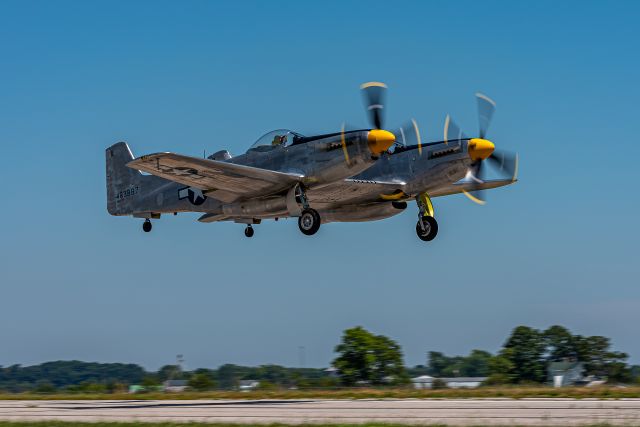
(137, 388)
(332, 372)
(174, 386)
(563, 374)
(247, 385)
(426, 381)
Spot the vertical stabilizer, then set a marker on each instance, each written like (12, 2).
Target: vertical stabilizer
(123, 183)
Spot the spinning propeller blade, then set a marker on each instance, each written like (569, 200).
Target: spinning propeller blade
(505, 161)
(344, 145)
(486, 107)
(451, 131)
(475, 175)
(410, 135)
(481, 149)
(373, 95)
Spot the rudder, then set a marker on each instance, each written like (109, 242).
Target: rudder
(122, 182)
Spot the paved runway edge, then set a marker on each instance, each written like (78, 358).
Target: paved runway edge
(461, 412)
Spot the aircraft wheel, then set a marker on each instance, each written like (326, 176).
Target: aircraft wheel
(309, 222)
(146, 226)
(248, 231)
(430, 228)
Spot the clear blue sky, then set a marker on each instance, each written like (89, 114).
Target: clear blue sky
(559, 247)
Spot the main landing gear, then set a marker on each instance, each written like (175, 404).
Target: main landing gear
(427, 226)
(248, 231)
(146, 225)
(309, 221)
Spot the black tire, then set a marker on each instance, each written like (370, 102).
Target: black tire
(309, 222)
(248, 231)
(430, 231)
(146, 226)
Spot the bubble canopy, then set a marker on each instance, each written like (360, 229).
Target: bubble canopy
(275, 138)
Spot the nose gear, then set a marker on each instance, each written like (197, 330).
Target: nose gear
(427, 226)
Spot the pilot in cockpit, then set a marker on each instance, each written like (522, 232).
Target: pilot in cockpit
(279, 140)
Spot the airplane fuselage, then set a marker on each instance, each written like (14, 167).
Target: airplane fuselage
(414, 170)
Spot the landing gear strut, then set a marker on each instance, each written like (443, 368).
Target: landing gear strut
(146, 225)
(309, 219)
(427, 226)
(248, 231)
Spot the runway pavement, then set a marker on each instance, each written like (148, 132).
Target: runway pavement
(547, 412)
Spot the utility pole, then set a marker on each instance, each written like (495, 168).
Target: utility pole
(179, 364)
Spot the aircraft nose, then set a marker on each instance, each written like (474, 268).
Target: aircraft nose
(380, 140)
(480, 149)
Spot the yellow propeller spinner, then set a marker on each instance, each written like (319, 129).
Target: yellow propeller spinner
(480, 149)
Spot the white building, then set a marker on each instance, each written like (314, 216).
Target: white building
(566, 373)
(426, 381)
(174, 386)
(247, 385)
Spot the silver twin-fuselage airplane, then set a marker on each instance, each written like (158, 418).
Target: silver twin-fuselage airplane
(347, 176)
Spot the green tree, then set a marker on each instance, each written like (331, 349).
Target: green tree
(388, 366)
(476, 364)
(473, 365)
(273, 374)
(561, 344)
(600, 360)
(201, 381)
(44, 387)
(169, 372)
(437, 362)
(369, 358)
(634, 371)
(229, 375)
(501, 369)
(267, 385)
(63, 374)
(150, 381)
(525, 349)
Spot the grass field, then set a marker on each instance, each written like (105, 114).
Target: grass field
(514, 392)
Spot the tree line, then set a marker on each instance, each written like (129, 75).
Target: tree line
(525, 357)
(363, 359)
(83, 377)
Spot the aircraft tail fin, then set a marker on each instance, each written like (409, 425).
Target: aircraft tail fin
(122, 182)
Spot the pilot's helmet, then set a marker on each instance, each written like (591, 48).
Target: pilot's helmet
(277, 140)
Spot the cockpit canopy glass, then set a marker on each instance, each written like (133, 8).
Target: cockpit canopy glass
(276, 138)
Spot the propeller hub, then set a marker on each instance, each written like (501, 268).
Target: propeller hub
(480, 149)
(380, 140)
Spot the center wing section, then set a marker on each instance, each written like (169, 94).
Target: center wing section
(224, 181)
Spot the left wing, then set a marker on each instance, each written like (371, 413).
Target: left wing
(221, 180)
